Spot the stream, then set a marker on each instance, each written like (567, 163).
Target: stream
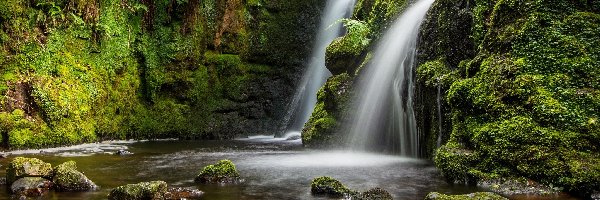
(272, 168)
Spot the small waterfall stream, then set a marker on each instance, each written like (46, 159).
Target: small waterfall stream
(316, 74)
(439, 109)
(384, 118)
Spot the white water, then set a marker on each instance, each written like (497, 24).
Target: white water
(316, 74)
(384, 118)
(439, 109)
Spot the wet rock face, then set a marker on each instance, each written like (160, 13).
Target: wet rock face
(27, 167)
(222, 172)
(67, 178)
(143, 190)
(472, 196)
(31, 186)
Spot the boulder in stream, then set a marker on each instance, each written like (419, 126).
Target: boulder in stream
(31, 186)
(472, 196)
(183, 193)
(67, 178)
(143, 190)
(374, 194)
(27, 167)
(222, 172)
(329, 186)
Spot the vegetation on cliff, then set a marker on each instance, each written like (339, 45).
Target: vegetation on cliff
(79, 71)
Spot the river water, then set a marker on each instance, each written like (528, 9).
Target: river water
(272, 168)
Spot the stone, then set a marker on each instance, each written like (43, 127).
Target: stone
(222, 172)
(472, 196)
(328, 186)
(375, 194)
(67, 178)
(183, 193)
(27, 167)
(31, 186)
(144, 190)
(123, 152)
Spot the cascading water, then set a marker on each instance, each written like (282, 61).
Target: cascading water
(316, 74)
(384, 118)
(439, 109)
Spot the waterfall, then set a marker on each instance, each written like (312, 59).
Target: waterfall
(439, 109)
(316, 74)
(384, 118)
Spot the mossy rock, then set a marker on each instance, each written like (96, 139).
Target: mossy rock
(222, 172)
(67, 178)
(31, 186)
(328, 186)
(472, 196)
(143, 190)
(27, 167)
(346, 53)
(374, 194)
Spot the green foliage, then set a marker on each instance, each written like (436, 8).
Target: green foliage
(524, 105)
(344, 53)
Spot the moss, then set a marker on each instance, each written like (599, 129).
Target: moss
(475, 196)
(27, 167)
(344, 54)
(322, 127)
(143, 190)
(222, 172)
(328, 186)
(67, 178)
(520, 104)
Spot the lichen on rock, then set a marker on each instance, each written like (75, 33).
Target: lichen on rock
(27, 167)
(67, 178)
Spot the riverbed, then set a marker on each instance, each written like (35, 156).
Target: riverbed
(271, 168)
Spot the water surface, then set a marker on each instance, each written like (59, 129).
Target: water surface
(272, 168)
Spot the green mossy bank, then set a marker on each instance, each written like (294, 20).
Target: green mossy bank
(519, 86)
(76, 71)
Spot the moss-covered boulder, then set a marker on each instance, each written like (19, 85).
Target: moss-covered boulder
(67, 178)
(321, 130)
(31, 186)
(27, 167)
(328, 186)
(472, 196)
(346, 53)
(144, 190)
(183, 193)
(374, 194)
(222, 172)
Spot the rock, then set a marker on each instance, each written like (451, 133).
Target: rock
(183, 193)
(374, 194)
(595, 196)
(328, 186)
(143, 190)
(27, 167)
(474, 196)
(67, 178)
(294, 137)
(123, 152)
(31, 186)
(222, 172)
